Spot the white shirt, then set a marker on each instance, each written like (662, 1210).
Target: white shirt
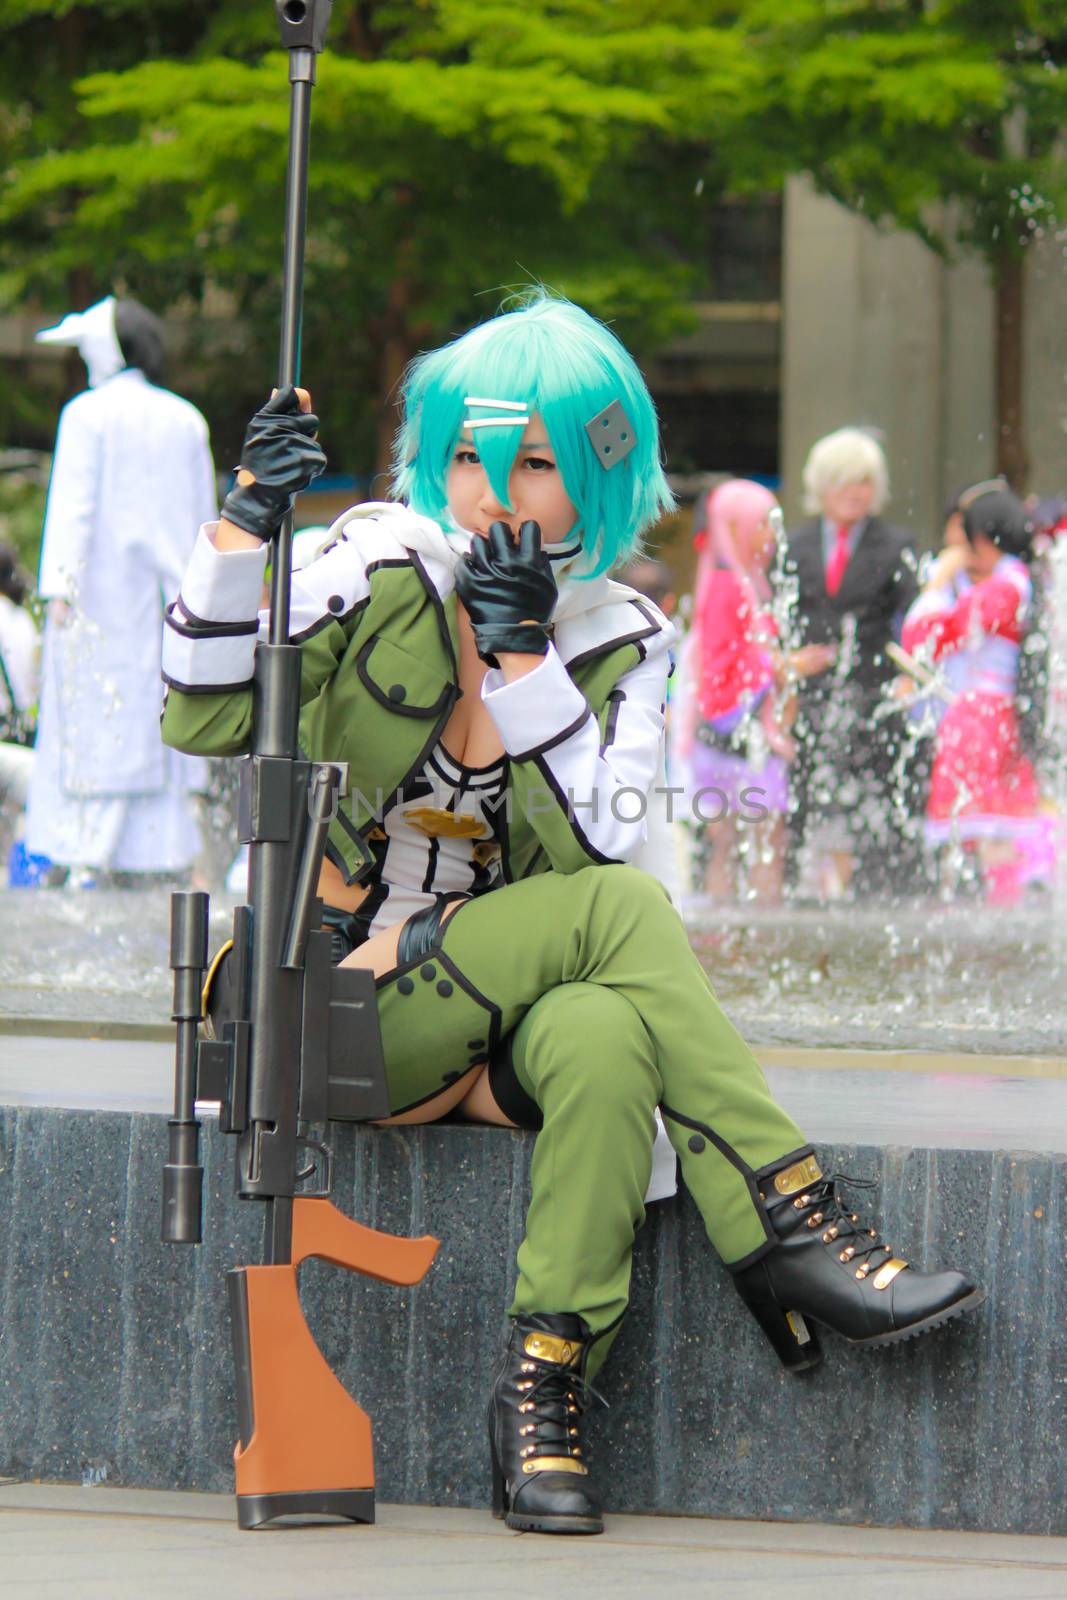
(19, 650)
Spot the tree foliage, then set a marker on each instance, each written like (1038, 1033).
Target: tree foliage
(898, 107)
(459, 149)
(464, 147)
(945, 117)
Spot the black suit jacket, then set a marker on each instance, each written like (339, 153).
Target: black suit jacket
(879, 584)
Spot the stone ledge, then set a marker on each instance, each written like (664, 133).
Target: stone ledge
(115, 1362)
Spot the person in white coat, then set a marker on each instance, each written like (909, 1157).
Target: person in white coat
(132, 475)
(19, 651)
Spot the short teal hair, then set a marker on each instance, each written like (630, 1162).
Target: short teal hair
(553, 358)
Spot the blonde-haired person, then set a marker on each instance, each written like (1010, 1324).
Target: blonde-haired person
(854, 576)
(841, 463)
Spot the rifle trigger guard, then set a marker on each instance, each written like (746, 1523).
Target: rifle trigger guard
(323, 1151)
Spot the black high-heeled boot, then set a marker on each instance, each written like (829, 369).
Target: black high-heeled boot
(540, 1479)
(829, 1269)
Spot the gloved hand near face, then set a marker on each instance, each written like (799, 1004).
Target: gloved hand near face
(509, 591)
(279, 458)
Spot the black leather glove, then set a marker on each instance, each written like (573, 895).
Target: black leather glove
(283, 456)
(509, 591)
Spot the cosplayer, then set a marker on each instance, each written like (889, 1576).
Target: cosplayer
(731, 738)
(983, 790)
(464, 653)
(19, 650)
(853, 577)
(105, 795)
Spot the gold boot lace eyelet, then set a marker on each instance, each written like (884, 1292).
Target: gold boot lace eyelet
(861, 1272)
(847, 1253)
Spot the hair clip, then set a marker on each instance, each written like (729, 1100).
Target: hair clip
(611, 433)
(499, 405)
(978, 490)
(495, 422)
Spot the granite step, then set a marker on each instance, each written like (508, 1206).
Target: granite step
(115, 1360)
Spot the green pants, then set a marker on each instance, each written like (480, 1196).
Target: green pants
(611, 1015)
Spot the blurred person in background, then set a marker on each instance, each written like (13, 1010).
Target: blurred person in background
(1048, 513)
(854, 577)
(1035, 690)
(924, 699)
(18, 695)
(132, 479)
(731, 745)
(983, 789)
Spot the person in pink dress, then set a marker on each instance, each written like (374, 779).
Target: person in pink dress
(983, 789)
(732, 744)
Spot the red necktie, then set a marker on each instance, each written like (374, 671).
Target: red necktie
(835, 567)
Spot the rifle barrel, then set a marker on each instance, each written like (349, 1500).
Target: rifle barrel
(301, 78)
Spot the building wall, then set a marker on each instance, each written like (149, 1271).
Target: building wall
(1046, 353)
(877, 330)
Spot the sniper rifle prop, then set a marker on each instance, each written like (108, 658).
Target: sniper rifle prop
(305, 1047)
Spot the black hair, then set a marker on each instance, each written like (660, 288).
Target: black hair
(12, 582)
(140, 336)
(995, 512)
(951, 507)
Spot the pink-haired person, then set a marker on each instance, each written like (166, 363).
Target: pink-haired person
(731, 741)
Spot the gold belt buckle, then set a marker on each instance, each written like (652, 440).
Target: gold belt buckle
(436, 823)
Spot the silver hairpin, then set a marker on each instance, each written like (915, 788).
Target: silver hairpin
(499, 405)
(495, 422)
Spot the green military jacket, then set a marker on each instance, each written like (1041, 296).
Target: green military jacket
(376, 626)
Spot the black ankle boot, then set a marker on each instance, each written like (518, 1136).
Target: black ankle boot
(830, 1269)
(539, 1473)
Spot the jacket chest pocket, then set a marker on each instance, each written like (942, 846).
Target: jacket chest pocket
(403, 683)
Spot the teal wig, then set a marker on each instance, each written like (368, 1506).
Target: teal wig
(550, 357)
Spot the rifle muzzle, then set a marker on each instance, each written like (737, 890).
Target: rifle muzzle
(183, 1185)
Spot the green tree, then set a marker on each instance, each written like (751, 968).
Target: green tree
(941, 116)
(45, 47)
(458, 147)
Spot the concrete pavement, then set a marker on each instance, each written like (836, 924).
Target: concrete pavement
(75, 1543)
